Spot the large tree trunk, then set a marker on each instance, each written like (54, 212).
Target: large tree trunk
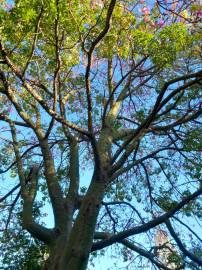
(55, 257)
(72, 253)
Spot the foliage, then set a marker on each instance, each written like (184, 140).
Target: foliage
(22, 253)
(19, 251)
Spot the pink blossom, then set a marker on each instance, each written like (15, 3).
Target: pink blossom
(199, 14)
(142, 1)
(161, 22)
(10, 109)
(146, 19)
(153, 24)
(8, 6)
(174, 6)
(145, 10)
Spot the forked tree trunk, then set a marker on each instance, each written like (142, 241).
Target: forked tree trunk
(73, 254)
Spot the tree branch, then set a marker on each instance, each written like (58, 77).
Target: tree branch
(181, 245)
(147, 226)
(89, 54)
(131, 246)
(37, 97)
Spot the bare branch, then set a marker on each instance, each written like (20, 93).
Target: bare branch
(181, 245)
(147, 226)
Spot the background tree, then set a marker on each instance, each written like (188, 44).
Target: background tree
(112, 88)
(19, 251)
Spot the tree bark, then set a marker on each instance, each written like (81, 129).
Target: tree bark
(56, 254)
(72, 253)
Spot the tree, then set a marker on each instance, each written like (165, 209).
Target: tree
(19, 251)
(112, 87)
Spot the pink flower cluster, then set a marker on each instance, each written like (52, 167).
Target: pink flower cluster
(8, 6)
(157, 24)
(145, 11)
(199, 14)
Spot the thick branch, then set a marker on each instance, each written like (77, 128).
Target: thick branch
(145, 254)
(90, 52)
(181, 245)
(17, 123)
(184, 119)
(130, 245)
(54, 189)
(74, 169)
(21, 172)
(147, 226)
